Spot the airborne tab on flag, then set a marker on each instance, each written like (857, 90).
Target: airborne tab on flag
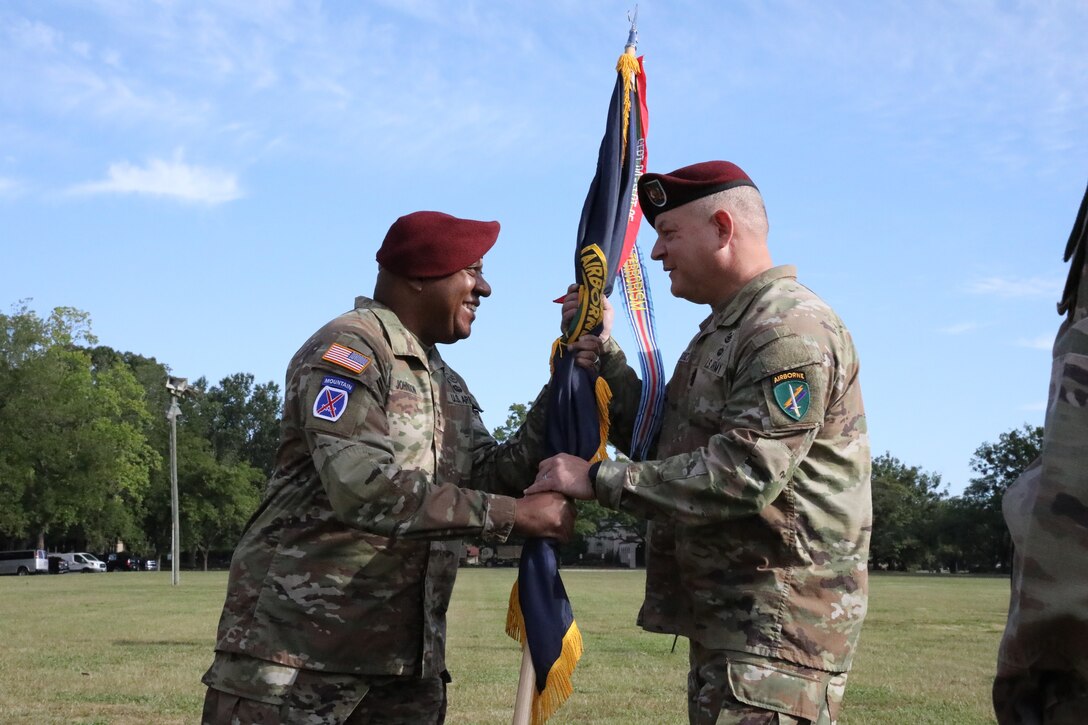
(345, 357)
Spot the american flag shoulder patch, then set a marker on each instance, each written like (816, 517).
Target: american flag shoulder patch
(345, 357)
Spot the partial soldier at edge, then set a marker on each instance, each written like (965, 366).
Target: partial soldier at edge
(1042, 664)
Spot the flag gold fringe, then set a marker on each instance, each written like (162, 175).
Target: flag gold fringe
(515, 623)
(627, 66)
(559, 347)
(557, 688)
(604, 397)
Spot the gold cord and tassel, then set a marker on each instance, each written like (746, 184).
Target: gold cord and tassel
(627, 66)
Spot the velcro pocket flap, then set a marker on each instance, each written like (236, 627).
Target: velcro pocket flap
(770, 688)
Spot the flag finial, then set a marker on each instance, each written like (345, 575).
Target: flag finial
(632, 37)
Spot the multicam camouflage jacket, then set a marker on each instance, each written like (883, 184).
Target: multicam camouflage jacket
(384, 462)
(759, 491)
(1046, 511)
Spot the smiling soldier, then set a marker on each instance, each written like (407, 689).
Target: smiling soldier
(336, 602)
(758, 489)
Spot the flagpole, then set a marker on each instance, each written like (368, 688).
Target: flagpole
(606, 217)
(523, 705)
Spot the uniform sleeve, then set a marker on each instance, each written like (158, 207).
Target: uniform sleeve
(354, 456)
(1046, 511)
(509, 467)
(769, 419)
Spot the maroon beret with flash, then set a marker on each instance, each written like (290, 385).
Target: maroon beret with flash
(658, 193)
(433, 244)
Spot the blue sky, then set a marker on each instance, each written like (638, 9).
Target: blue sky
(210, 180)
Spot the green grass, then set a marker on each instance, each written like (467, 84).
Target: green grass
(129, 648)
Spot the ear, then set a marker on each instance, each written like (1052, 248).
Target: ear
(723, 220)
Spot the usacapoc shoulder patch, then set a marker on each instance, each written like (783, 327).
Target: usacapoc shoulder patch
(791, 393)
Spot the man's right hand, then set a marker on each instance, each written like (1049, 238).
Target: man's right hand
(570, 306)
(545, 515)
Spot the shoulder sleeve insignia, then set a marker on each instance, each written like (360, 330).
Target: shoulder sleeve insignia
(791, 393)
(332, 399)
(345, 357)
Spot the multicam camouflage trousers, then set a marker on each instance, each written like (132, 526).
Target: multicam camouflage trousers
(1041, 698)
(737, 688)
(270, 694)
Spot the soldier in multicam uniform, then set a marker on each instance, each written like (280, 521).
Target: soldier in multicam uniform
(758, 493)
(338, 589)
(1042, 663)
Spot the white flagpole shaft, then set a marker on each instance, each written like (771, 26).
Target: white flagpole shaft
(523, 706)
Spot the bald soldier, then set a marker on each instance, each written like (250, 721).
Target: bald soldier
(336, 602)
(1042, 663)
(757, 490)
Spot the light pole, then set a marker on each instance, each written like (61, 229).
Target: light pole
(177, 388)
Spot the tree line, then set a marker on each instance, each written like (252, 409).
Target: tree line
(84, 444)
(84, 451)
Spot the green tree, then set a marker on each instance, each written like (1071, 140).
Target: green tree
(239, 419)
(998, 465)
(905, 503)
(152, 375)
(74, 457)
(514, 420)
(963, 537)
(218, 499)
(227, 439)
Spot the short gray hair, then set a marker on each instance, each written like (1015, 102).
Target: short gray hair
(745, 203)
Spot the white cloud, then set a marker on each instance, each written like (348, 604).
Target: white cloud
(174, 179)
(1042, 342)
(1015, 288)
(9, 187)
(34, 35)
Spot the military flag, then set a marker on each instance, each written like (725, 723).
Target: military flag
(540, 614)
(639, 306)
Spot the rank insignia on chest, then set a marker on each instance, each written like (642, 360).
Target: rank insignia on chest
(791, 393)
(332, 399)
(345, 357)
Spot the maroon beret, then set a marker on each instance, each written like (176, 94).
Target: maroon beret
(433, 244)
(659, 193)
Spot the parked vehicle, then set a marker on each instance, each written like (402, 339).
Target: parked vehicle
(151, 564)
(123, 561)
(23, 562)
(82, 562)
(57, 565)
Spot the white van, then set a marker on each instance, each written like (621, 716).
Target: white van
(24, 561)
(83, 562)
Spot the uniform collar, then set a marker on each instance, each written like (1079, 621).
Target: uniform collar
(727, 312)
(402, 341)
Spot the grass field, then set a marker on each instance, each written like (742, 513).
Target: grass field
(129, 648)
